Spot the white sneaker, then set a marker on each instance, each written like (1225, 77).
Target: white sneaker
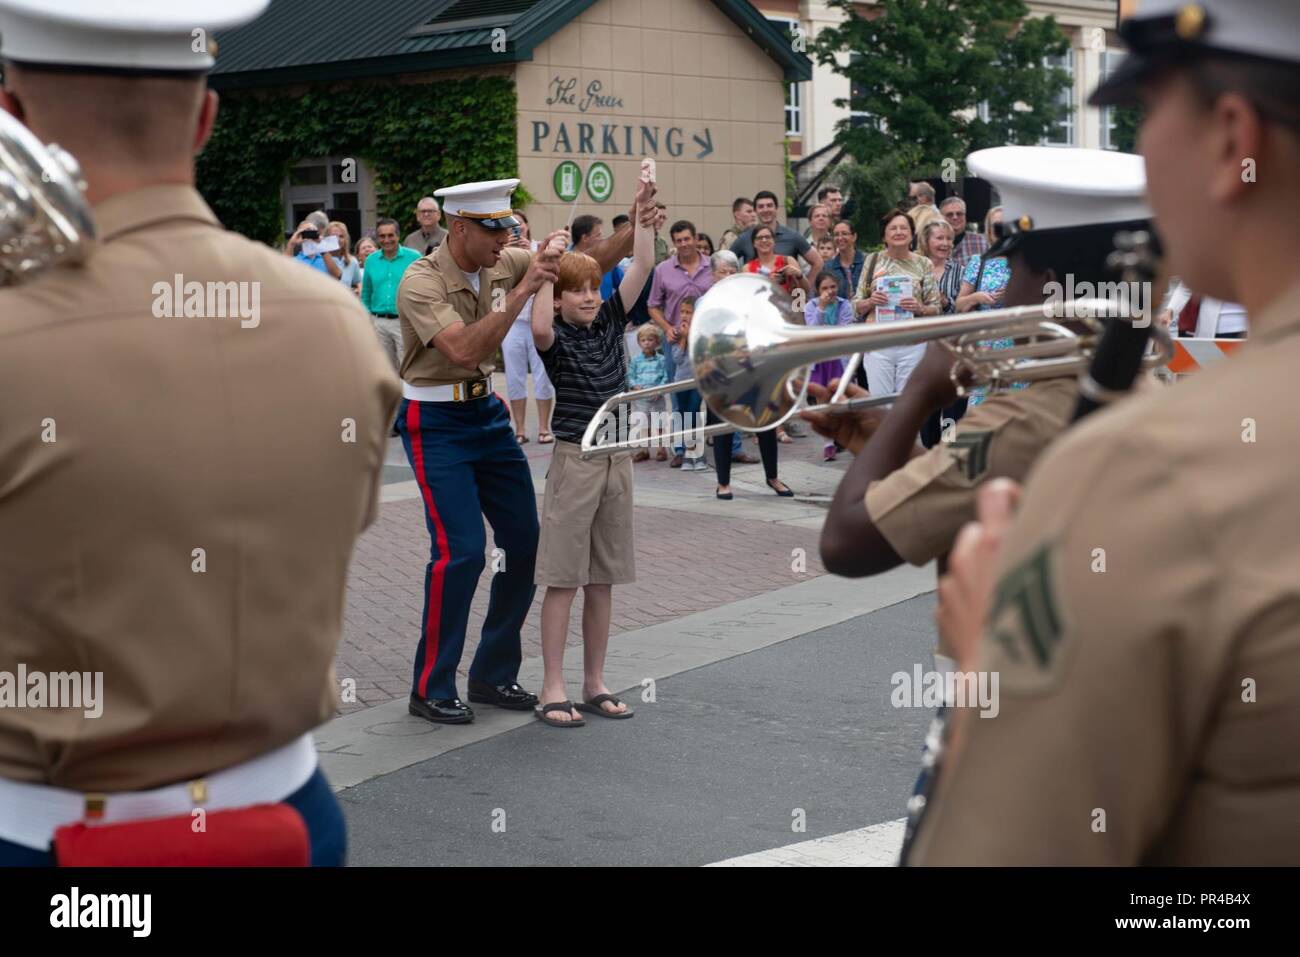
(701, 465)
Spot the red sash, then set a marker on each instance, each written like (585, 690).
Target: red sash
(264, 835)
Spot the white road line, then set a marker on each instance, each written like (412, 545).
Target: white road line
(875, 846)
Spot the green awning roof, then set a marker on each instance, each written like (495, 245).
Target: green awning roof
(316, 41)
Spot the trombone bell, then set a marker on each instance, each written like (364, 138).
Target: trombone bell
(739, 326)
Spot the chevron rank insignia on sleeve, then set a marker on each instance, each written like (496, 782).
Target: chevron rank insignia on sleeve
(1025, 623)
(971, 449)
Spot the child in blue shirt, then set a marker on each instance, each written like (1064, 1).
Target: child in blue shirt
(647, 369)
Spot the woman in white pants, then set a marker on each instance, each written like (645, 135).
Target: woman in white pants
(896, 284)
(521, 358)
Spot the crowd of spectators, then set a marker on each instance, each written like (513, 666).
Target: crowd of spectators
(930, 263)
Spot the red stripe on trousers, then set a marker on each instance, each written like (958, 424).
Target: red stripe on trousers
(432, 628)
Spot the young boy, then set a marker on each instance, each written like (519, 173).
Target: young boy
(645, 371)
(826, 246)
(586, 537)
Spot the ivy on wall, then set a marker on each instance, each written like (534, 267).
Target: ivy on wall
(413, 138)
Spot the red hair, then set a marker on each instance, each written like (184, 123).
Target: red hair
(577, 271)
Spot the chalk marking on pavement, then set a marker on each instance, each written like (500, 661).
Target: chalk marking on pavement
(875, 846)
(366, 744)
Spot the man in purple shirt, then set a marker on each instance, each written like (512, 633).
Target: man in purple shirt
(685, 274)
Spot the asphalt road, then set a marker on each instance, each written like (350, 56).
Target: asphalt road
(714, 768)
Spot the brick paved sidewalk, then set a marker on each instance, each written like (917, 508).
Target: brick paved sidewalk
(686, 562)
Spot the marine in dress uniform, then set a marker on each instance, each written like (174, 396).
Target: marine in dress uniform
(899, 503)
(456, 306)
(178, 514)
(1146, 618)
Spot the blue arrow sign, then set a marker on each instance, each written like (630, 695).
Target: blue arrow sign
(705, 145)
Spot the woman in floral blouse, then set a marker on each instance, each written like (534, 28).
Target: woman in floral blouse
(888, 369)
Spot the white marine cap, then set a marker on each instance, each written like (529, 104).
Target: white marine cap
(1160, 32)
(119, 36)
(1049, 187)
(487, 203)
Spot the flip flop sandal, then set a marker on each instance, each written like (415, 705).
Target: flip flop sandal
(521, 438)
(546, 709)
(545, 438)
(594, 707)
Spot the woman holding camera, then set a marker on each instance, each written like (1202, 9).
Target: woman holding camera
(782, 270)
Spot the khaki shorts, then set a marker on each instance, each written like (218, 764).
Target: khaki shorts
(586, 520)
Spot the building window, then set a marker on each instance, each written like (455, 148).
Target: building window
(793, 117)
(793, 114)
(1062, 133)
(1110, 61)
(333, 183)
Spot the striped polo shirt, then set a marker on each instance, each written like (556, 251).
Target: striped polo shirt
(586, 367)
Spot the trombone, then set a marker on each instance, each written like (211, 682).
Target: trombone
(747, 354)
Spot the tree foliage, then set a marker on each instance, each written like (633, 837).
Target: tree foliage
(413, 137)
(940, 78)
(1127, 121)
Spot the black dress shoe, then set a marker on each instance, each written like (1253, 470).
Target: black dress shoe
(511, 696)
(441, 710)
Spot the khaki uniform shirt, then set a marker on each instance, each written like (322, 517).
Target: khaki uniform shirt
(434, 295)
(920, 508)
(1146, 632)
(129, 440)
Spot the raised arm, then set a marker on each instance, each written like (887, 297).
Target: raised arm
(612, 250)
(543, 318)
(643, 249)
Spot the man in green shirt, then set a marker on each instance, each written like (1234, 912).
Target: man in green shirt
(379, 282)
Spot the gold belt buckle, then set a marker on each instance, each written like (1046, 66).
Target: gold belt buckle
(470, 389)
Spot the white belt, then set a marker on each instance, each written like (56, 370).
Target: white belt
(441, 393)
(31, 813)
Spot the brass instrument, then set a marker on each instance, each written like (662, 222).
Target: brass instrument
(748, 351)
(44, 217)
